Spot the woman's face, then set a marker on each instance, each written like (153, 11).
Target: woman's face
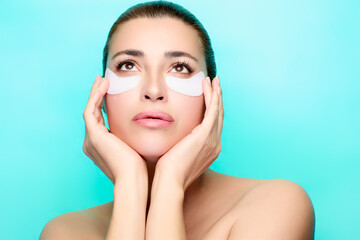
(154, 37)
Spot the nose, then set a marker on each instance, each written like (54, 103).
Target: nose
(154, 89)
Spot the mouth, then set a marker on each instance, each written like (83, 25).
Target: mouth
(153, 119)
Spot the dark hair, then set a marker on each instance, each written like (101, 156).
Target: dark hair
(158, 9)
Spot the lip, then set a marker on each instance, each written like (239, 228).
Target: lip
(153, 119)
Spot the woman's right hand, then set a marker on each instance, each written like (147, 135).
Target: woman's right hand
(114, 157)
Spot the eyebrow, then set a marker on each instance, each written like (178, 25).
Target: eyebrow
(168, 54)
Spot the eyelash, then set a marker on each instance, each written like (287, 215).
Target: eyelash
(178, 63)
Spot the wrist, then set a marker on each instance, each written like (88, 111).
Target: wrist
(131, 185)
(166, 178)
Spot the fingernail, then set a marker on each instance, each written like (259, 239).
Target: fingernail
(208, 79)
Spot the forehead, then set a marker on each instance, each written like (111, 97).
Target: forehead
(154, 36)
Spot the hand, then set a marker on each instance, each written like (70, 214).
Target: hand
(190, 157)
(114, 157)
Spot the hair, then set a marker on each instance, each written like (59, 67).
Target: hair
(159, 9)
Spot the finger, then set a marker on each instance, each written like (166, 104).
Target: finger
(214, 101)
(221, 113)
(207, 92)
(212, 113)
(103, 87)
(89, 111)
(93, 105)
(99, 115)
(95, 85)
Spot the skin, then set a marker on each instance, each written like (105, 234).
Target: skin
(183, 198)
(150, 143)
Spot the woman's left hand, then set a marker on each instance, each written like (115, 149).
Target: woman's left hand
(190, 157)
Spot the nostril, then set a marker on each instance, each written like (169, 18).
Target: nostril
(147, 97)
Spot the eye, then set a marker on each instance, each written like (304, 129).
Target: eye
(179, 67)
(127, 64)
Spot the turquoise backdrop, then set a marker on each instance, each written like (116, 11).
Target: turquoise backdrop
(290, 76)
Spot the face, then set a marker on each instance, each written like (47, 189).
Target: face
(154, 37)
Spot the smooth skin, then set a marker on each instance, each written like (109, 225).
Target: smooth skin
(167, 191)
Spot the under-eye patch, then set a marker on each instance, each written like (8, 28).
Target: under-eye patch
(120, 84)
(189, 86)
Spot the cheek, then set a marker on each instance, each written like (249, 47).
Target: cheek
(117, 110)
(191, 110)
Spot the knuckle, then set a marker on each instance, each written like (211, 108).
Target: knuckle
(218, 149)
(85, 149)
(211, 144)
(85, 113)
(222, 113)
(215, 146)
(89, 143)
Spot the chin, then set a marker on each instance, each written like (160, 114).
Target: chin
(151, 149)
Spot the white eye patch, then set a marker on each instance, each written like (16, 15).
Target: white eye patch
(188, 86)
(120, 84)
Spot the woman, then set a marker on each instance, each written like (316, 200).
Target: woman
(162, 140)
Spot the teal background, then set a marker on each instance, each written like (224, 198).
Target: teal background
(290, 77)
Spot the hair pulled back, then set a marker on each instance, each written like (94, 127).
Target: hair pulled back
(159, 9)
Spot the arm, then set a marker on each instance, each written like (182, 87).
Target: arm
(165, 219)
(181, 165)
(121, 164)
(128, 216)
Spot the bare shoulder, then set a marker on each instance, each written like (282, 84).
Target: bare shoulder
(273, 189)
(83, 224)
(280, 208)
